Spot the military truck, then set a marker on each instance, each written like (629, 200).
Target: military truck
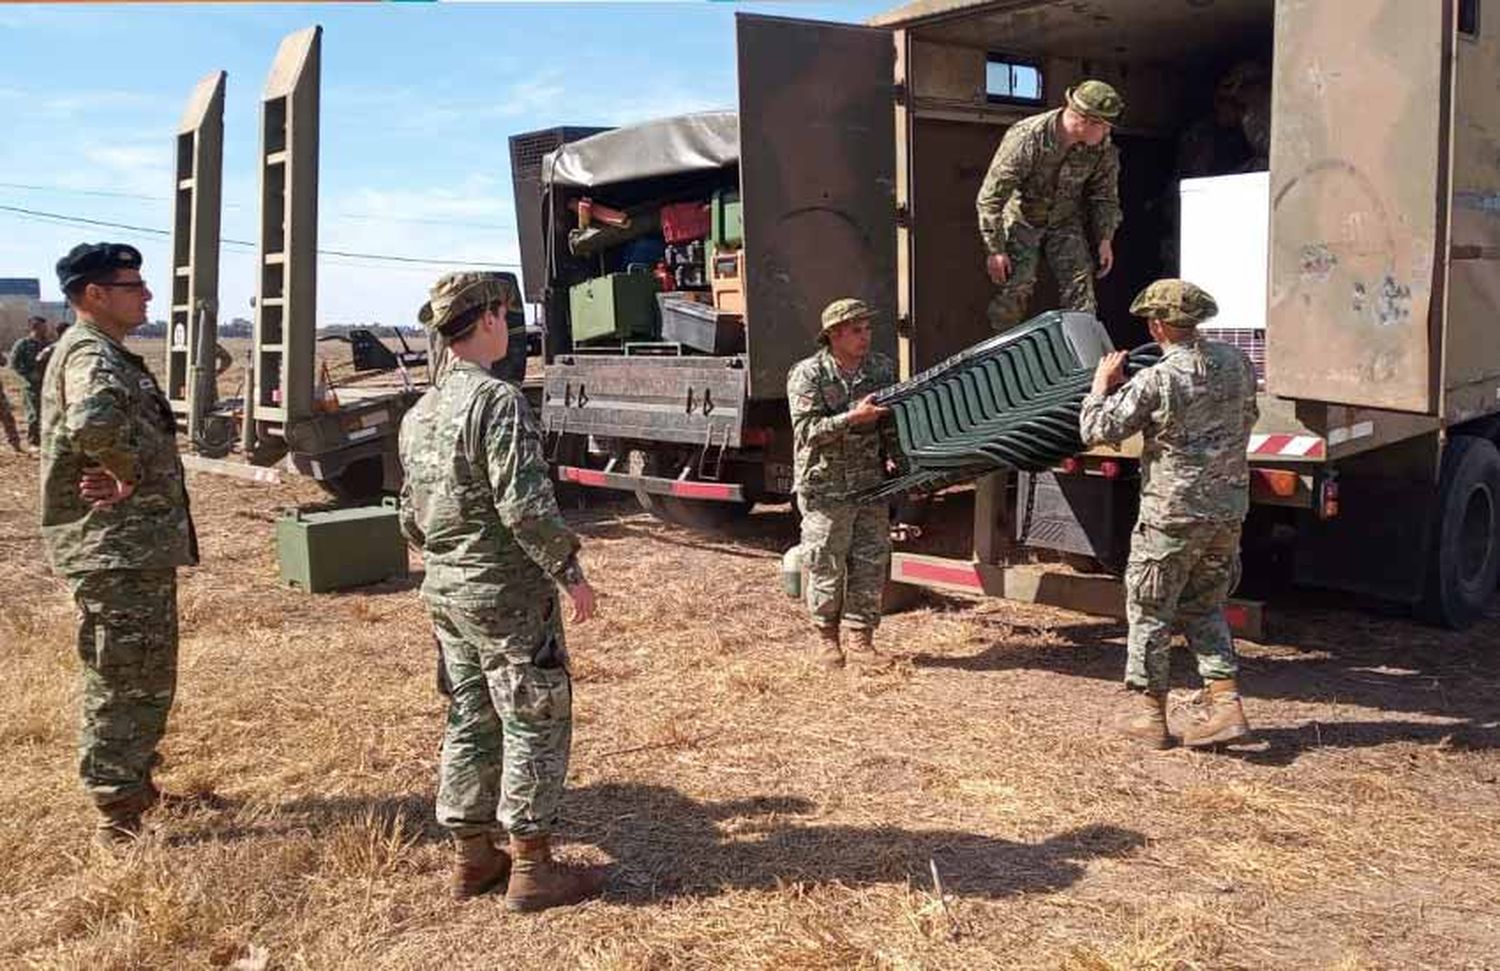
(1371, 308)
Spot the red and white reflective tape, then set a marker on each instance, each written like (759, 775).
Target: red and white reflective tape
(703, 490)
(1288, 446)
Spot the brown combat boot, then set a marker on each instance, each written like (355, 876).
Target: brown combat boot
(538, 882)
(1144, 719)
(862, 655)
(478, 866)
(120, 822)
(827, 652)
(1215, 716)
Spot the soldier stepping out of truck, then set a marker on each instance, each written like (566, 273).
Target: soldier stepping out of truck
(1195, 410)
(1052, 189)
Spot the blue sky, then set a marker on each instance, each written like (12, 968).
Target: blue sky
(418, 103)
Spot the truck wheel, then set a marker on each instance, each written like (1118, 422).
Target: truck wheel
(704, 514)
(359, 481)
(1464, 563)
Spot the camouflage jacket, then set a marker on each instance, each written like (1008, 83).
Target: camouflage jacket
(1035, 184)
(24, 361)
(1195, 410)
(834, 458)
(476, 498)
(101, 406)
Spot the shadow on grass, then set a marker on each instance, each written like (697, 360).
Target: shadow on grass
(667, 845)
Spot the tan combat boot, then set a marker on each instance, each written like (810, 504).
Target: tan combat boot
(120, 822)
(1216, 717)
(827, 652)
(538, 882)
(1144, 719)
(862, 655)
(478, 866)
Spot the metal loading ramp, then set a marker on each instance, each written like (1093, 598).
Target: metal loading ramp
(1010, 402)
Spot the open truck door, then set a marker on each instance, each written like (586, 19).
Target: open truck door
(1358, 165)
(817, 174)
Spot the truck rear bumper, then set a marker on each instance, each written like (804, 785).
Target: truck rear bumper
(1086, 593)
(654, 484)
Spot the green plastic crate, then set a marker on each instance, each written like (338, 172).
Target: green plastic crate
(727, 219)
(336, 549)
(619, 307)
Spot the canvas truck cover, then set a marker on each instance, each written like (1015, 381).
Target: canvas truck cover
(664, 146)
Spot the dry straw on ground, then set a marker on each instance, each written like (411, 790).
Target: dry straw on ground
(760, 813)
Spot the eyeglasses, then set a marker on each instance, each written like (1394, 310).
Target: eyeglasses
(125, 285)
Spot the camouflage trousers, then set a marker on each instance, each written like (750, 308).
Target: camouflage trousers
(31, 397)
(1067, 251)
(510, 716)
(8, 422)
(127, 641)
(1184, 575)
(847, 551)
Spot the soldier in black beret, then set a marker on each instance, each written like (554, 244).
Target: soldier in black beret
(116, 526)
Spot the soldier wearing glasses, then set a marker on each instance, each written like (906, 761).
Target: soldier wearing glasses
(115, 523)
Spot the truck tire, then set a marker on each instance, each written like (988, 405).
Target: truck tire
(359, 481)
(1464, 562)
(701, 514)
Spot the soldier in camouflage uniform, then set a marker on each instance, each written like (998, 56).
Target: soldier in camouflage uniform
(846, 547)
(116, 525)
(8, 417)
(1053, 186)
(24, 360)
(512, 367)
(1195, 410)
(478, 503)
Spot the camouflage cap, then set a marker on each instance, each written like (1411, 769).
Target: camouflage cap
(456, 293)
(1176, 302)
(1097, 99)
(844, 310)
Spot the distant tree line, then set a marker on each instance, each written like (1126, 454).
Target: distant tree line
(239, 327)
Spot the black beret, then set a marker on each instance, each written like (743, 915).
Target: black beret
(88, 259)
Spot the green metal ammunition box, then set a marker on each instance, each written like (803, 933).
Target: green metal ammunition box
(620, 306)
(340, 548)
(727, 215)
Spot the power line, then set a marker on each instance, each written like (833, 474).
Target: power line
(70, 220)
(369, 216)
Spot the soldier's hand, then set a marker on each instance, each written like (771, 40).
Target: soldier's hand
(867, 411)
(1106, 258)
(1110, 373)
(998, 266)
(100, 489)
(582, 597)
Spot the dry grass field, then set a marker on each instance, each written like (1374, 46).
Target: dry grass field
(759, 813)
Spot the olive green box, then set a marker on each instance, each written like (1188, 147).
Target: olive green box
(619, 307)
(335, 549)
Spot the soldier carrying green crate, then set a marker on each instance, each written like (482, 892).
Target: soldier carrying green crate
(1195, 410)
(1052, 189)
(846, 546)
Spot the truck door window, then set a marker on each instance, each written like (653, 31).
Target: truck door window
(1008, 81)
(1468, 17)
